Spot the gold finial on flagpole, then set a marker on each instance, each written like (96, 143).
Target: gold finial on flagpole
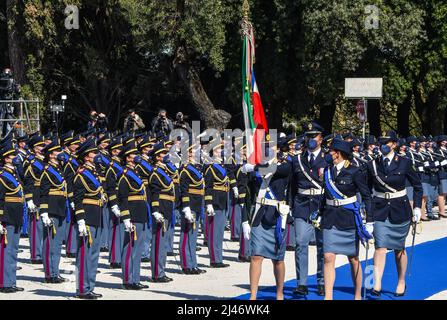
(245, 9)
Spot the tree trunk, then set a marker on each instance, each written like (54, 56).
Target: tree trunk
(374, 117)
(16, 57)
(403, 116)
(326, 116)
(212, 117)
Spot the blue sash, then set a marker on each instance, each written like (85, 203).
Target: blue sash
(136, 179)
(353, 207)
(75, 163)
(118, 168)
(60, 180)
(13, 180)
(15, 183)
(221, 169)
(147, 166)
(38, 165)
(171, 166)
(195, 171)
(161, 171)
(92, 178)
(105, 160)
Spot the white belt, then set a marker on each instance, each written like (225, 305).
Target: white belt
(268, 202)
(311, 191)
(390, 195)
(341, 202)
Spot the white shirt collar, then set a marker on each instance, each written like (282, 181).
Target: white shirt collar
(340, 165)
(316, 152)
(390, 156)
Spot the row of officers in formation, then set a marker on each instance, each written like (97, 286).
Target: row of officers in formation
(97, 191)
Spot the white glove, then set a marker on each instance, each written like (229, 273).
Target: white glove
(158, 217)
(72, 205)
(370, 227)
(188, 214)
(236, 192)
(104, 198)
(116, 211)
(31, 206)
(317, 222)
(127, 225)
(2, 229)
(248, 167)
(210, 210)
(426, 164)
(437, 164)
(45, 219)
(246, 229)
(82, 228)
(443, 162)
(421, 169)
(416, 215)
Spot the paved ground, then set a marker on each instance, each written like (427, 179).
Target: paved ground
(215, 284)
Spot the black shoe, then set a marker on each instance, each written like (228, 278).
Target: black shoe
(145, 259)
(198, 249)
(18, 289)
(18, 268)
(115, 265)
(320, 289)
(97, 295)
(131, 286)
(38, 261)
(199, 271)
(7, 290)
(227, 228)
(401, 294)
(188, 271)
(49, 280)
(219, 265)
(301, 290)
(70, 255)
(376, 293)
(205, 243)
(97, 271)
(59, 280)
(142, 286)
(312, 243)
(290, 248)
(88, 296)
(104, 249)
(20, 251)
(170, 254)
(23, 236)
(169, 279)
(434, 218)
(234, 239)
(161, 280)
(425, 219)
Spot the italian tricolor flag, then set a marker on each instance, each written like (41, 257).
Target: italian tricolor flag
(254, 117)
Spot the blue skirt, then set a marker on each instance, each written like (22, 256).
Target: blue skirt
(443, 186)
(345, 242)
(263, 243)
(389, 235)
(426, 189)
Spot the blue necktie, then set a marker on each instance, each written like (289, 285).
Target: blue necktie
(387, 163)
(312, 159)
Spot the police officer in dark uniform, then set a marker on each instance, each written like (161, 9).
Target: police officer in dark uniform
(70, 166)
(341, 220)
(217, 186)
(307, 193)
(391, 208)
(89, 198)
(144, 169)
(19, 163)
(192, 192)
(33, 171)
(132, 202)
(116, 230)
(163, 199)
(101, 167)
(54, 208)
(269, 220)
(11, 219)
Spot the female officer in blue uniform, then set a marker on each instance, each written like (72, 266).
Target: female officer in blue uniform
(341, 220)
(267, 236)
(391, 208)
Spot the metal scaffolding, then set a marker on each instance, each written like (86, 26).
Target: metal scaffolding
(24, 123)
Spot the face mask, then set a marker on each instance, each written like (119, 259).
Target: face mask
(60, 157)
(328, 158)
(97, 159)
(312, 144)
(385, 149)
(137, 159)
(418, 145)
(166, 159)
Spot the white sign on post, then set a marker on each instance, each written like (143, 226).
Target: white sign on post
(357, 88)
